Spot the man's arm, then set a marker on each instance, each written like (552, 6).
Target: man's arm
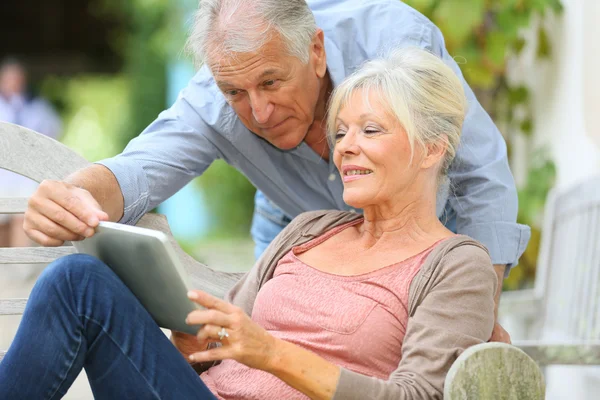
(165, 157)
(100, 182)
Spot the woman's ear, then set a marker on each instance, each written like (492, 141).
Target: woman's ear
(435, 152)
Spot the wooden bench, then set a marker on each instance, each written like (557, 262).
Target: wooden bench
(486, 371)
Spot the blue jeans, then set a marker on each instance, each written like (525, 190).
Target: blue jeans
(80, 315)
(268, 220)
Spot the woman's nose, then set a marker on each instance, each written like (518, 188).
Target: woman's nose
(347, 144)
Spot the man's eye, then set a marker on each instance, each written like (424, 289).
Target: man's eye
(232, 92)
(270, 82)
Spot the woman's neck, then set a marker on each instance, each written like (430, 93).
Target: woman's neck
(407, 222)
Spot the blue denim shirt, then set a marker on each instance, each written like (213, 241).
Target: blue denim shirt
(201, 127)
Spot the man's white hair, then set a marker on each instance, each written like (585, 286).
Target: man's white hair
(419, 90)
(226, 27)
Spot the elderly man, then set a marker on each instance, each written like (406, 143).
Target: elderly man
(259, 102)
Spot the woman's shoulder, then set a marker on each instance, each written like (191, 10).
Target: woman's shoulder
(457, 255)
(314, 223)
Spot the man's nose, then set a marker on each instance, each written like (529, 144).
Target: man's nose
(262, 108)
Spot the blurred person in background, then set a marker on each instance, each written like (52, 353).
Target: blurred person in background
(18, 106)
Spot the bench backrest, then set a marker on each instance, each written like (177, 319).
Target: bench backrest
(38, 157)
(568, 276)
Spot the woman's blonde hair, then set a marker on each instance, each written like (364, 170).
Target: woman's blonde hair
(421, 91)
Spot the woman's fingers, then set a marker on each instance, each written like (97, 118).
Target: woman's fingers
(211, 333)
(217, 353)
(202, 317)
(211, 302)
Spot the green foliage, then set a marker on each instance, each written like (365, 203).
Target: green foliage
(532, 198)
(144, 44)
(229, 196)
(95, 108)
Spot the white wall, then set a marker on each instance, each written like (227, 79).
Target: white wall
(564, 89)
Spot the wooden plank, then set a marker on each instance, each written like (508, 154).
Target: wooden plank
(12, 306)
(33, 255)
(487, 370)
(36, 156)
(563, 353)
(13, 205)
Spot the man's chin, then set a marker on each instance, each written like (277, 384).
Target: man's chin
(286, 142)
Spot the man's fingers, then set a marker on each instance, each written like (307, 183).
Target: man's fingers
(43, 239)
(78, 202)
(60, 217)
(53, 230)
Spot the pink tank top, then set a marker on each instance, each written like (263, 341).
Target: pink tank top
(356, 322)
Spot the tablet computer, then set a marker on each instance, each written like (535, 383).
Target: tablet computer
(148, 265)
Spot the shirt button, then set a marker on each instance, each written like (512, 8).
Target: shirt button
(352, 210)
(332, 177)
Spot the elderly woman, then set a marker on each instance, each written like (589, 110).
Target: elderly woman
(340, 306)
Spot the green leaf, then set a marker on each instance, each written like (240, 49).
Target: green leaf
(518, 95)
(495, 50)
(527, 126)
(544, 48)
(518, 45)
(423, 6)
(479, 76)
(458, 19)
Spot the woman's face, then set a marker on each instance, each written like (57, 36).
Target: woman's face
(373, 154)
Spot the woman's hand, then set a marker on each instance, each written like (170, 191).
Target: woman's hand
(186, 344)
(247, 342)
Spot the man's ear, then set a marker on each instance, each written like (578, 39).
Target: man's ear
(317, 53)
(435, 152)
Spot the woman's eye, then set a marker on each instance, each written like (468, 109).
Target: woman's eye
(339, 136)
(371, 131)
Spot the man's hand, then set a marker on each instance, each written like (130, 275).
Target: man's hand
(59, 212)
(499, 334)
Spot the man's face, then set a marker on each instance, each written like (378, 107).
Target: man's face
(12, 80)
(274, 94)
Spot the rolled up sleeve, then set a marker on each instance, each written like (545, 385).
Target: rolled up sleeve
(134, 186)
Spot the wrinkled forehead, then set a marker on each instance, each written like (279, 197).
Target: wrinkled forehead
(241, 68)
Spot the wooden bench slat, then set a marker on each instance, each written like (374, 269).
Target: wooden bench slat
(12, 306)
(567, 353)
(33, 255)
(13, 205)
